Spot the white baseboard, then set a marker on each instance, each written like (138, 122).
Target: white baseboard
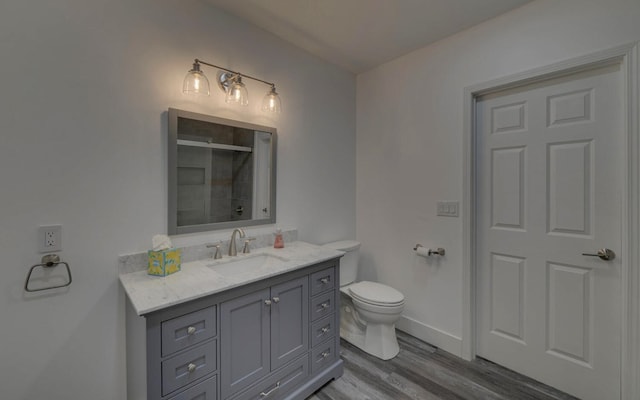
(431, 335)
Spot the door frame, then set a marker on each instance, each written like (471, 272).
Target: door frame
(627, 57)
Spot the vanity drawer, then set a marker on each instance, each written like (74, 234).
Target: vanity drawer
(207, 390)
(185, 368)
(323, 280)
(184, 331)
(322, 305)
(322, 330)
(323, 355)
(279, 382)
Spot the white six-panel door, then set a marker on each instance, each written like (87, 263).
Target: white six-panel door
(549, 188)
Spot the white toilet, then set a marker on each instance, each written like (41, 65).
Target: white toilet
(368, 310)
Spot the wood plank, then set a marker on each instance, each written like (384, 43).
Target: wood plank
(423, 372)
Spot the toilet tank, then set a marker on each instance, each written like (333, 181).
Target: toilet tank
(349, 262)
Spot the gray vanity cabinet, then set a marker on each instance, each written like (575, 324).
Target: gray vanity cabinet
(273, 339)
(263, 331)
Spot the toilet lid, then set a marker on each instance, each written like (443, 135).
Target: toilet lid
(376, 293)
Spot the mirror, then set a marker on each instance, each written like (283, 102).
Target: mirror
(222, 173)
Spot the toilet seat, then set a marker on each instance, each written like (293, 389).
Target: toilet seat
(376, 294)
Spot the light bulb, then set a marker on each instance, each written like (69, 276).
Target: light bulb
(271, 102)
(237, 92)
(195, 82)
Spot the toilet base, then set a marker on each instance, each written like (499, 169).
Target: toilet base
(379, 340)
(374, 344)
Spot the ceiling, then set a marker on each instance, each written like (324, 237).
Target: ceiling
(361, 34)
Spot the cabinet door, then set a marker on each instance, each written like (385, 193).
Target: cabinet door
(289, 321)
(244, 323)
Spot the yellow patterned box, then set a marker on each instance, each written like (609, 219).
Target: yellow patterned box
(164, 262)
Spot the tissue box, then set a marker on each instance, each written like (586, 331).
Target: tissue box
(164, 262)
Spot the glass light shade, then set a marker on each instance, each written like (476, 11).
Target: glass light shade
(271, 102)
(237, 93)
(195, 82)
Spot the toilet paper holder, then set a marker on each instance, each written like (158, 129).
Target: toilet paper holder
(439, 251)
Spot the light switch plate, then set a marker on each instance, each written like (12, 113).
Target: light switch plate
(448, 208)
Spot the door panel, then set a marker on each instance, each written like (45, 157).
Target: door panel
(569, 317)
(244, 324)
(549, 186)
(289, 321)
(569, 108)
(507, 296)
(569, 187)
(507, 188)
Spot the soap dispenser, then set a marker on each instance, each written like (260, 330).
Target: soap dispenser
(278, 242)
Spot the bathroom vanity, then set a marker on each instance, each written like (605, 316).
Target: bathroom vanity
(263, 325)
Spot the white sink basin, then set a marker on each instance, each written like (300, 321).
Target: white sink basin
(246, 264)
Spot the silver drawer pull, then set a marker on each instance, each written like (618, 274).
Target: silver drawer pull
(325, 330)
(267, 302)
(191, 330)
(276, 299)
(265, 394)
(191, 367)
(324, 280)
(325, 354)
(323, 306)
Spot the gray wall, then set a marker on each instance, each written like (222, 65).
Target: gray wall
(85, 89)
(409, 143)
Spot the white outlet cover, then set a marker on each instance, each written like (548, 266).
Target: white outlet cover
(50, 238)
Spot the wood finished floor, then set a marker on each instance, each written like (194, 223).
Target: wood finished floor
(423, 372)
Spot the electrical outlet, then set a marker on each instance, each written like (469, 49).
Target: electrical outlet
(50, 238)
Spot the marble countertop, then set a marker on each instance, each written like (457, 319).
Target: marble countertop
(199, 278)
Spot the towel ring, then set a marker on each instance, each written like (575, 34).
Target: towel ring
(48, 261)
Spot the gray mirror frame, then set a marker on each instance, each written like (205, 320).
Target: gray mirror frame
(173, 228)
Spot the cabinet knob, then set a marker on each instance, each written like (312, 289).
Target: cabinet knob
(191, 367)
(191, 330)
(324, 280)
(267, 302)
(324, 305)
(325, 329)
(325, 354)
(276, 299)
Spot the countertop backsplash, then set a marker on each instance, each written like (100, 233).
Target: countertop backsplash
(138, 261)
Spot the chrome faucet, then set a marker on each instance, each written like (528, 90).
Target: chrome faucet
(232, 246)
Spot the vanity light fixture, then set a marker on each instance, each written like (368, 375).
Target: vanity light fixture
(231, 83)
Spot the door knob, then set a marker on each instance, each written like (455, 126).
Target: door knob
(604, 254)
